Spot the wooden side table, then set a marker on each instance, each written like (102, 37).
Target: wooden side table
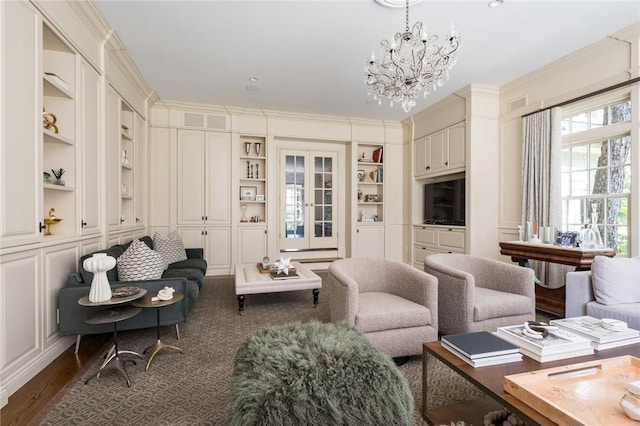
(147, 302)
(113, 315)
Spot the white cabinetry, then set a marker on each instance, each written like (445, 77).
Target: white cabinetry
(252, 243)
(430, 239)
(90, 136)
(204, 189)
(369, 241)
(441, 152)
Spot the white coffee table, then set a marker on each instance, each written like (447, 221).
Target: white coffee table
(249, 280)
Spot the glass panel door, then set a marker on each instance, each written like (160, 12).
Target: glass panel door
(307, 223)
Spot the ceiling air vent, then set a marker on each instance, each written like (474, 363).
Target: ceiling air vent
(216, 122)
(517, 103)
(192, 119)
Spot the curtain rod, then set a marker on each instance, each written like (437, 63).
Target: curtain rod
(588, 95)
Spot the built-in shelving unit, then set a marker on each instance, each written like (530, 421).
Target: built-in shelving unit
(127, 164)
(59, 124)
(370, 177)
(252, 173)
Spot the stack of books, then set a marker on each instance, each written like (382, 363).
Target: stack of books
(481, 348)
(601, 335)
(558, 344)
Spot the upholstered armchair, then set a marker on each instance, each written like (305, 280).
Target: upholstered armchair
(394, 304)
(480, 294)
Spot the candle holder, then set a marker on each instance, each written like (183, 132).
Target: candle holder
(257, 146)
(247, 147)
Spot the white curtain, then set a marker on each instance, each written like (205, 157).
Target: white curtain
(541, 182)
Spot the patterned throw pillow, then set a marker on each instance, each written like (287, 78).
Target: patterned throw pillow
(139, 262)
(170, 246)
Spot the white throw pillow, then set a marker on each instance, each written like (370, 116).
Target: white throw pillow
(139, 262)
(170, 246)
(616, 280)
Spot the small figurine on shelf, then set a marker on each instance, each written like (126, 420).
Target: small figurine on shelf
(49, 121)
(58, 174)
(51, 220)
(125, 160)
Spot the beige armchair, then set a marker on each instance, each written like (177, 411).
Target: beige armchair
(480, 294)
(395, 305)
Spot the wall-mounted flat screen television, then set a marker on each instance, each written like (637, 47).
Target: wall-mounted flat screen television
(444, 202)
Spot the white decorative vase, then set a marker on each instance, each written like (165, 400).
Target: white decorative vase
(99, 264)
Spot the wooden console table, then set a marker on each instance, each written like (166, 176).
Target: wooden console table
(550, 299)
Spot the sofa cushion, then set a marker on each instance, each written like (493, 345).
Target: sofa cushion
(616, 279)
(139, 262)
(112, 274)
(199, 264)
(497, 304)
(627, 312)
(170, 246)
(194, 275)
(383, 311)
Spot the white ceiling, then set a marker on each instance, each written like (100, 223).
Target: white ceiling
(309, 55)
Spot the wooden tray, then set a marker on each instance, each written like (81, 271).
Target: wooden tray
(578, 394)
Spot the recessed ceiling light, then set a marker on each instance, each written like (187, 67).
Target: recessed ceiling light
(495, 3)
(253, 79)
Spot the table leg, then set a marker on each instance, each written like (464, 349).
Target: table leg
(315, 293)
(240, 303)
(159, 344)
(114, 361)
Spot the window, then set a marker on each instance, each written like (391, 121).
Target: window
(596, 169)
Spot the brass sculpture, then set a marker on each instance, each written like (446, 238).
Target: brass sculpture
(51, 220)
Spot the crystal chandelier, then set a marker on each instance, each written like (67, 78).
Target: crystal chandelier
(411, 63)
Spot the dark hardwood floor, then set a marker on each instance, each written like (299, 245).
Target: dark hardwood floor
(27, 404)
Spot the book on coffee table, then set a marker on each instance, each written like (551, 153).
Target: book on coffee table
(558, 341)
(480, 344)
(486, 360)
(275, 275)
(600, 336)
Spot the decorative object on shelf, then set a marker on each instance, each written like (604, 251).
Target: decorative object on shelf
(247, 147)
(257, 146)
(99, 264)
(360, 175)
(248, 193)
(49, 121)
(251, 175)
(360, 194)
(265, 262)
(259, 197)
(46, 177)
(566, 239)
(60, 82)
(372, 198)
(248, 169)
(124, 190)
(58, 174)
(411, 63)
(125, 160)
(51, 220)
(243, 219)
(520, 233)
(590, 236)
(257, 173)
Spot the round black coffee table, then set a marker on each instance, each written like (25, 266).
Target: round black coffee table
(113, 316)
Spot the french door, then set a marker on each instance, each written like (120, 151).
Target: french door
(307, 204)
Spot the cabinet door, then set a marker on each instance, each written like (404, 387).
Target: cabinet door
(218, 178)
(139, 127)
(370, 241)
(191, 175)
(438, 151)
(421, 157)
(456, 146)
(114, 156)
(89, 146)
(217, 248)
(252, 243)
(58, 262)
(192, 237)
(20, 156)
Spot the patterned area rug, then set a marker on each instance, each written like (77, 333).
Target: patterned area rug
(193, 388)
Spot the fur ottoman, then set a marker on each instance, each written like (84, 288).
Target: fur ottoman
(316, 374)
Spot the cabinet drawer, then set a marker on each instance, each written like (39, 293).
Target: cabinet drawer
(425, 236)
(419, 253)
(453, 238)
